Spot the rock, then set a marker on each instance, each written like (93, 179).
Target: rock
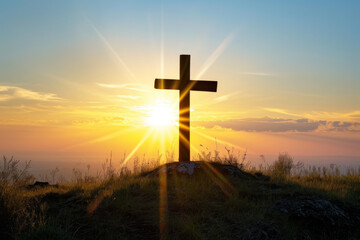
(181, 168)
(41, 184)
(319, 211)
(38, 184)
(259, 231)
(318, 218)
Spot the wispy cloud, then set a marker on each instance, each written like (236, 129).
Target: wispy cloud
(353, 114)
(130, 86)
(5, 97)
(12, 92)
(131, 97)
(318, 115)
(226, 97)
(267, 124)
(282, 111)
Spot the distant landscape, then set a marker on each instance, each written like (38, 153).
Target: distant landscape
(41, 166)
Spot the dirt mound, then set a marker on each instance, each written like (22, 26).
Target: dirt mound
(199, 167)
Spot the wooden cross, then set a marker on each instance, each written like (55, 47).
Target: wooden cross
(185, 85)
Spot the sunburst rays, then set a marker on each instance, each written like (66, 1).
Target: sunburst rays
(219, 179)
(102, 138)
(141, 142)
(160, 136)
(112, 50)
(216, 54)
(217, 140)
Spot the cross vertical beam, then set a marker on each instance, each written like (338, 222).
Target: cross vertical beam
(184, 109)
(185, 85)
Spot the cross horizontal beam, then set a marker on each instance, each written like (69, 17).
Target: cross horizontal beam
(208, 86)
(184, 84)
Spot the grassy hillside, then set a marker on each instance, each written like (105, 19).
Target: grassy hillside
(208, 205)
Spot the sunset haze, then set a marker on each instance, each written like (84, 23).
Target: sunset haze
(77, 79)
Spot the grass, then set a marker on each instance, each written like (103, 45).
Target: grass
(137, 207)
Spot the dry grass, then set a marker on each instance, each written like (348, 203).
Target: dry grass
(114, 204)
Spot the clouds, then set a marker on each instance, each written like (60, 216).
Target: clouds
(226, 97)
(130, 97)
(131, 86)
(342, 126)
(10, 92)
(282, 125)
(353, 116)
(126, 86)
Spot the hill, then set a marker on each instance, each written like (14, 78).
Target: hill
(174, 201)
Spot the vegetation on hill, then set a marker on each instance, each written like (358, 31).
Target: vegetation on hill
(272, 204)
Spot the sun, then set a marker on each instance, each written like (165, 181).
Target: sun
(162, 114)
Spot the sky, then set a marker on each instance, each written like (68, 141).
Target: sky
(77, 78)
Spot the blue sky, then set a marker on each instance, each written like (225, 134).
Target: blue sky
(276, 62)
(313, 45)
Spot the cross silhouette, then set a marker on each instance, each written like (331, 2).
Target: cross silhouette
(185, 85)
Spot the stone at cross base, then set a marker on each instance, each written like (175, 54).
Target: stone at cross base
(185, 85)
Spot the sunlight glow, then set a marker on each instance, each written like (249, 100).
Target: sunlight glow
(102, 139)
(194, 130)
(161, 114)
(146, 136)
